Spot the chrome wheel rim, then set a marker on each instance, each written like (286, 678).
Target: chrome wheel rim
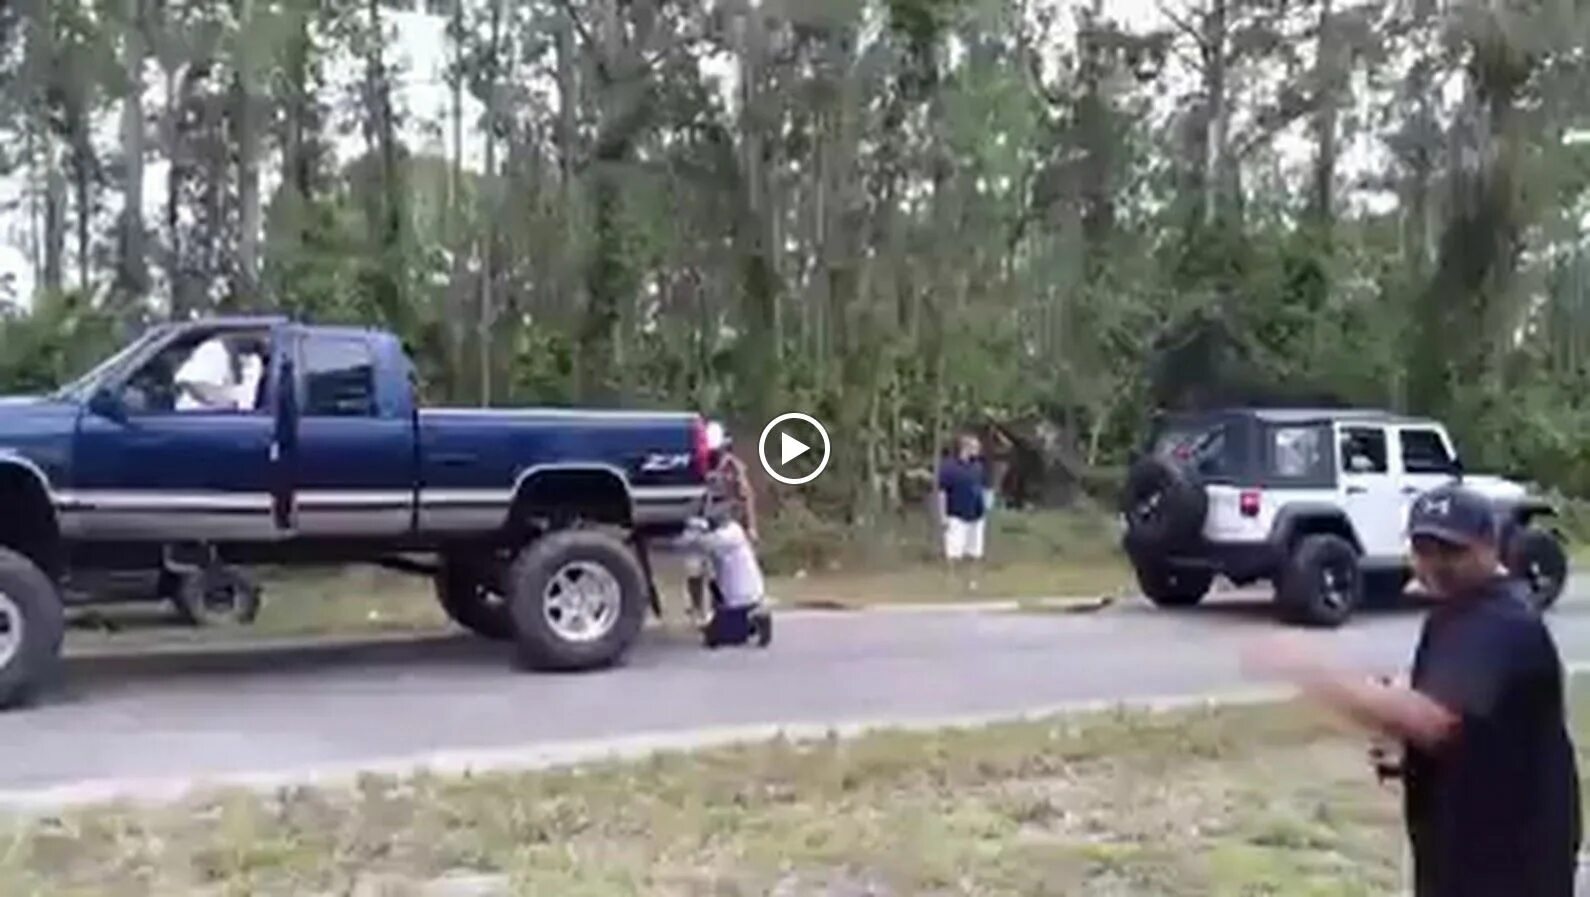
(581, 602)
(11, 624)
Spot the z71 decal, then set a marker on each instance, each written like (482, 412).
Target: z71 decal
(660, 463)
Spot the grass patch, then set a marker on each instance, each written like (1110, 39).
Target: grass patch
(1106, 804)
(1241, 801)
(1258, 800)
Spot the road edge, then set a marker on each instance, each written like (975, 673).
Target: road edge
(561, 754)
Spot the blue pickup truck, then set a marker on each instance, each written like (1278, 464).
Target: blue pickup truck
(533, 522)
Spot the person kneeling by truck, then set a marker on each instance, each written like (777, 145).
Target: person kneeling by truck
(739, 609)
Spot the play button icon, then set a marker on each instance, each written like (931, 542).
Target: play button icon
(792, 447)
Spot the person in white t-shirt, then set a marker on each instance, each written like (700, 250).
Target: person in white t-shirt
(739, 607)
(219, 376)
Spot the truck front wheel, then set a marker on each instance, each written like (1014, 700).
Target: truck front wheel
(462, 591)
(32, 621)
(578, 599)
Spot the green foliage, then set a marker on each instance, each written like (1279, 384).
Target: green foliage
(902, 216)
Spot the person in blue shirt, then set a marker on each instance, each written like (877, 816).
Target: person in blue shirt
(963, 501)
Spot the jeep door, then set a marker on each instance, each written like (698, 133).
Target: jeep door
(1369, 490)
(1424, 460)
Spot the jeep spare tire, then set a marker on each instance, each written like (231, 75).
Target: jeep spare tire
(1537, 557)
(1164, 505)
(32, 622)
(578, 599)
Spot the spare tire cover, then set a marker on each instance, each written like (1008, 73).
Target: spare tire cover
(1164, 505)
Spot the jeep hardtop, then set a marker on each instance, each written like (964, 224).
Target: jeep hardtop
(1314, 500)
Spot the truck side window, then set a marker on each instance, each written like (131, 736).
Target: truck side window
(339, 377)
(1423, 451)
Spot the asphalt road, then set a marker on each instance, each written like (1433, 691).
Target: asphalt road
(228, 712)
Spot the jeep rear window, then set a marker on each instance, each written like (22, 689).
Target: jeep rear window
(1205, 447)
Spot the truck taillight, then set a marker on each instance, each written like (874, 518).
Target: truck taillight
(700, 451)
(1248, 502)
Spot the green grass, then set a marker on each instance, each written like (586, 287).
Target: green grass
(1244, 801)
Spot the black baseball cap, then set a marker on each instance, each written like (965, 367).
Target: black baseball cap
(1454, 515)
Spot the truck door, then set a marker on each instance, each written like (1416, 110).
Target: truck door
(160, 461)
(353, 457)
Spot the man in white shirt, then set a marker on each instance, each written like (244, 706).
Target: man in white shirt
(739, 610)
(215, 378)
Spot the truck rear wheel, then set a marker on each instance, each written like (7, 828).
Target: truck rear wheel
(461, 590)
(578, 599)
(32, 621)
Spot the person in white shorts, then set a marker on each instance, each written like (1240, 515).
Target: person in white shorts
(963, 501)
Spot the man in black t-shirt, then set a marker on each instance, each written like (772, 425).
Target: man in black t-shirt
(1490, 787)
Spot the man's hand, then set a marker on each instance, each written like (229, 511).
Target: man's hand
(1286, 656)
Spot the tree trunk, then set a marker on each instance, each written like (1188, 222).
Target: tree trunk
(132, 273)
(171, 138)
(1327, 86)
(250, 212)
(490, 184)
(1217, 175)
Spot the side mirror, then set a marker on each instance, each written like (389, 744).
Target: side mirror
(1457, 468)
(108, 405)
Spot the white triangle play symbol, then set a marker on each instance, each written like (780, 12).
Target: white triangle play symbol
(790, 448)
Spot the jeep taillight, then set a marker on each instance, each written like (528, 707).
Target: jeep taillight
(1248, 502)
(700, 451)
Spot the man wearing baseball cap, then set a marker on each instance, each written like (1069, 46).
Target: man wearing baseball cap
(1490, 786)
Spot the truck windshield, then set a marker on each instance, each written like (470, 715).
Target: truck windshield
(79, 389)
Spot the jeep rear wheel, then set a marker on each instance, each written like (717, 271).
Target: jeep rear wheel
(578, 599)
(1322, 583)
(32, 621)
(462, 591)
(1537, 557)
(1171, 586)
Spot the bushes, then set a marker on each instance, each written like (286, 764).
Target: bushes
(794, 538)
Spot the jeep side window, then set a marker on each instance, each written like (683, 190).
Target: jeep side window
(1297, 452)
(1364, 450)
(1424, 451)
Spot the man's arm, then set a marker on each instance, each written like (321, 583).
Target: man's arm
(747, 498)
(1390, 709)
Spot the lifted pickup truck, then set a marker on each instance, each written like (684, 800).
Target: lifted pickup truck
(531, 521)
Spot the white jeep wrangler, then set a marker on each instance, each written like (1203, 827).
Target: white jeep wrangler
(1314, 500)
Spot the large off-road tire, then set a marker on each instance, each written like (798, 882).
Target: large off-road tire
(32, 620)
(1171, 586)
(1537, 557)
(1164, 505)
(461, 589)
(223, 597)
(1321, 583)
(578, 599)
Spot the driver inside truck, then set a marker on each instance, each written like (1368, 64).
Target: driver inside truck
(223, 373)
